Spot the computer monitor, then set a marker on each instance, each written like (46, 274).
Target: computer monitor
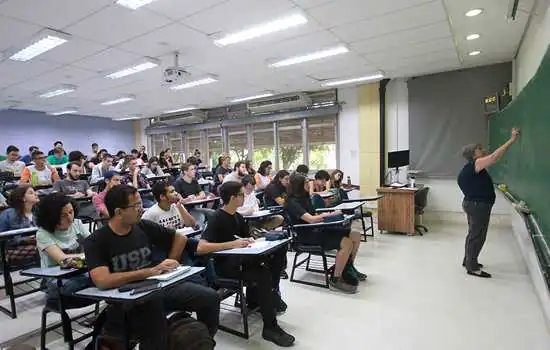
(398, 159)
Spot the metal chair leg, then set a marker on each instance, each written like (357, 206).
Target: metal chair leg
(43, 329)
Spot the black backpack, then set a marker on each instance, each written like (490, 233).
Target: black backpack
(186, 333)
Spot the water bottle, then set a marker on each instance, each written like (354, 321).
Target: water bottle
(349, 181)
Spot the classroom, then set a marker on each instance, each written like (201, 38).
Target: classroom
(263, 174)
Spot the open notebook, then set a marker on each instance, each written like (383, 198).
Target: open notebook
(169, 275)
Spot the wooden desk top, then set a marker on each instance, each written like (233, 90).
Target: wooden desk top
(399, 189)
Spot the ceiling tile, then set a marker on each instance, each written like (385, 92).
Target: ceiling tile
(108, 60)
(182, 8)
(346, 11)
(73, 50)
(13, 71)
(297, 46)
(235, 15)
(20, 33)
(116, 24)
(418, 49)
(432, 12)
(55, 14)
(306, 4)
(173, 37)
(404, 37)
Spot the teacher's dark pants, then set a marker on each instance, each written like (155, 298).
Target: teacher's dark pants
(478, 214)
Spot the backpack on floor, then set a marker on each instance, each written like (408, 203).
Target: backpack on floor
(186, 333)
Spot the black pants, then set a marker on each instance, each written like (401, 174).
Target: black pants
(478, 214)
(262, 276)
(147, 321)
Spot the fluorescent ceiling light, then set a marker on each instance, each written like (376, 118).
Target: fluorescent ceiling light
(311, 56)
(128, 118)
(134, 69)
(133, 4)
(199, 82)
(188, 108)
(473, 12)
(47, 40)
(472, 37)
(262, 29)
(249, 98)
(118, 100)
(68, 111)
(354, 80)
(64, 89)
(474, 53)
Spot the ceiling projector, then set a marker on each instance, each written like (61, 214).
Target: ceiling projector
(175, 73)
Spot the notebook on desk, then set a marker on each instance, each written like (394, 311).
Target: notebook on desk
(170, 275)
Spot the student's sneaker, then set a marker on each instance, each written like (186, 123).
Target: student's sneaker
(281, 307)
(278, 336)
(360, 276)
(338, 284)
(349, 276)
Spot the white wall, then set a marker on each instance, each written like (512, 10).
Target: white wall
(534, 45)
(348, 133)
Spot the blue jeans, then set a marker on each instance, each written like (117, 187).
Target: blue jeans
(70, 286)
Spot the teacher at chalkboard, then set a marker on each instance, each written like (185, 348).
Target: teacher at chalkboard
(479, 196)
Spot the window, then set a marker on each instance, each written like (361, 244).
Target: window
(158, 142)
(290, 144)
(321, 135)
(194, 142)
(176, 146)
(215, 147)
(238, 145)
(263, 144)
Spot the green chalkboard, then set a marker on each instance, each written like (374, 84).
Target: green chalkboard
(525, 169)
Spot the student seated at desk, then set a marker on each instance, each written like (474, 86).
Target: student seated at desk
(27, 158)
(58, 239)
(80, 158)
(251, 204)
(100, 169)
(11, 163)
(72, 186)
(135, 154)
(41, 173)
(136, 179)
(187, 185)
(239, 171)
(112, 179)
(20, 214)
(153, 168)
(59, 157)
(121, 252)
(261, 274)
(275, 192)
(169, 210)
(23, 200)
(321, 183)
(346, 241)
(222, 169)
(263, 176)
(56, 144)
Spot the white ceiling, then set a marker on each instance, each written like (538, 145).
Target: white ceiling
(399, 38)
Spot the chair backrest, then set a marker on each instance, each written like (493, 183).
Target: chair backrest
(421, 198)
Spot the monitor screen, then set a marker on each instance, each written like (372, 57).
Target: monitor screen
(398, 159)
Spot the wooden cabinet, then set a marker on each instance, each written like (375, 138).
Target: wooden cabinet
(396, 209)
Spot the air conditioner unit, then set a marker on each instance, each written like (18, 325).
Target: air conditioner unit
(279, 103)
(191, 117)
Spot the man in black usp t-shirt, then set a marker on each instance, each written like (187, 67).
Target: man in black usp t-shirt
(262, 274)
(121, 252)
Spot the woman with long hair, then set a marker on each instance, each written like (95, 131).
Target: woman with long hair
(345, 276)
(276, 192)
(263, 176)
(20, 214)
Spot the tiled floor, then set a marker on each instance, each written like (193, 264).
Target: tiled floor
(417, 298)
